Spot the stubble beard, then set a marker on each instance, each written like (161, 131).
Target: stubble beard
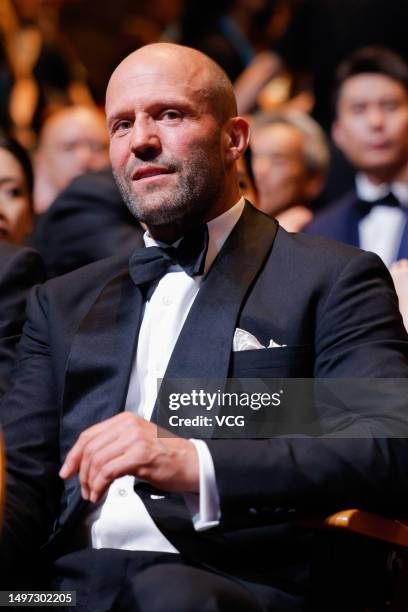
(199, 185)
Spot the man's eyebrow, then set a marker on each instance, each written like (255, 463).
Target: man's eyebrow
(8, 179)
(119, 114)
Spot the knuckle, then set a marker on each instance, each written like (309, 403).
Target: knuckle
(105, 472)
(91, 449)
(143, 472)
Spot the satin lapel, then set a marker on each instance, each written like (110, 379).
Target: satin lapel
(100, 360)
(204, 346)
(203, 349)
(349, 227)
(403, 248)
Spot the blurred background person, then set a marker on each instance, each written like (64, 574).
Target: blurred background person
(73, 141)
(290, 158)
(371, 128)
(298, 69)
(20, 269)
(88, 221)
(16, 183)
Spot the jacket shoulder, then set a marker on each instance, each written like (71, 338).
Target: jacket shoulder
(316, 257)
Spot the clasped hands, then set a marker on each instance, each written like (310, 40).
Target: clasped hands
(128, 444)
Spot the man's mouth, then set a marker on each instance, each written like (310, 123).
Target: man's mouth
(149, 172)
(380, 145)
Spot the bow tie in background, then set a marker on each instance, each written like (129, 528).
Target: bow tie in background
(388, 200)
(149, 265)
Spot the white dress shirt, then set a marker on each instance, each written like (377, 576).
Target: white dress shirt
(121, 520)
(381, 230)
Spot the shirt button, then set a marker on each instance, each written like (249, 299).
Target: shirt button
(122, 492)
(166, 300)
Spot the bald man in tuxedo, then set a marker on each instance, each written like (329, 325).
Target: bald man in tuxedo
(132, 520)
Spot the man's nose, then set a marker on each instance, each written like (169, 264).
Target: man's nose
(376, 118)
(84, 157)
(262, 166)
(145, 139)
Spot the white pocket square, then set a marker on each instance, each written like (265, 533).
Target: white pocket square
(244, 341)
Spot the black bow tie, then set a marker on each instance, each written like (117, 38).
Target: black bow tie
(150, 264)
(387, 200)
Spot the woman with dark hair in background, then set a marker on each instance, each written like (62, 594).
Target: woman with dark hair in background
(16, 184)
(20, 267)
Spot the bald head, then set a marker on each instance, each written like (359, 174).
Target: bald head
(200, 72)
(73, 141)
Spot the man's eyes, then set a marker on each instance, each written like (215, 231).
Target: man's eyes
(387, 105)
(390, 105)
(170, 115)
(358, 109)
(122, 125)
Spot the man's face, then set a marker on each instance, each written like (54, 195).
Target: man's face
(165, 142)
(75, 142)
(372, 124)
(278, 165)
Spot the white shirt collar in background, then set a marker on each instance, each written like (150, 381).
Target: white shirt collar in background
(367, 191)
(381, 230)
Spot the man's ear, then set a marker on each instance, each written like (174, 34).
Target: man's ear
(236, 138)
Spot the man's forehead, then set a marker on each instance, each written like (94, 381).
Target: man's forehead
(171, 67)
(277, 133)
(66, 122)
(370, 84)
(151, 86)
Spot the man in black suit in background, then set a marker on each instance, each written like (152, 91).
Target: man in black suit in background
(371, 128)
(88, 221)
(20, 269)
(134, 521)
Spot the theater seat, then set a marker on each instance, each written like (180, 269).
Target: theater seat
(393, 531)
(360, 564)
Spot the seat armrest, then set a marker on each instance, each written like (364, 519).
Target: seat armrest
(391, 530)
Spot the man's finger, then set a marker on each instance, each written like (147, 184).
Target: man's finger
(102, 445)
(72, 461)
(119, 466)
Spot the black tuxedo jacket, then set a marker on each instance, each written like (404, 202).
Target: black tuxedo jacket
(340, 221)
(20, 269)
(332, 305)
(88, 221)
